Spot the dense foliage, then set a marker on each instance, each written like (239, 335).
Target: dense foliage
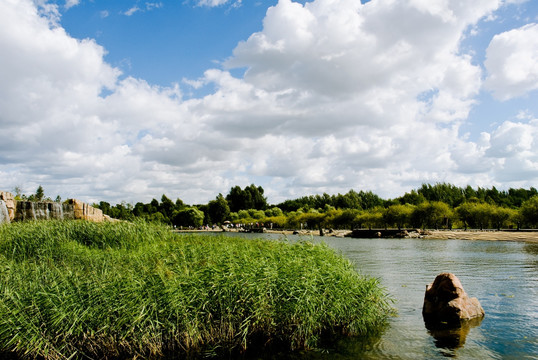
(74, 289)
(430, 206)
(251, 197)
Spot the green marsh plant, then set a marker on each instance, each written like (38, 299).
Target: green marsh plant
(76, 289)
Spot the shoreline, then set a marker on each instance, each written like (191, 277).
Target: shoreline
(488, 235)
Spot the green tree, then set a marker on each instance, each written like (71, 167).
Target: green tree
(158, 217)
(40, 193)
(218, 210)
(139, 210)
(529, 212)
(478, 214)
(372, 218)
(179, 204)
(399, 215)
(432, 214)
(313, 220)
(188, 217)
(105, 207)
(465, 213)
(273, 212)
(443, 192)
(166, 207)
(18, 193)
(413, 198)
(249, 198)
(256, 214)
(501, 215)
(342, 218)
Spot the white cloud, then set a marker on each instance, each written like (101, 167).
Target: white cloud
(132, 11)
(70, 3)
(212, 3)
(512, 62)
(337, 95)
(155, 5)
(149, 6)
(513, 145)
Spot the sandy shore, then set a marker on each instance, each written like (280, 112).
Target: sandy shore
(528, 236)
(493, 235)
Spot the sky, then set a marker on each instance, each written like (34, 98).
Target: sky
(128, 100)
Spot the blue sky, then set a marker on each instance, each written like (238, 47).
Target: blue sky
(127, 100)
(489, 111)
(166, 41)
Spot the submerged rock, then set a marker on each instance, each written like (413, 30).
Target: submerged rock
(446, 302)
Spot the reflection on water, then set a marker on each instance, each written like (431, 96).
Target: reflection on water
(450, 337)
(502, 275)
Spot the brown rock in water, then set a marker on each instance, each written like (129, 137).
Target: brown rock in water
(445, 301)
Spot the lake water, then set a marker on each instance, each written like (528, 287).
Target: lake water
(502, 275)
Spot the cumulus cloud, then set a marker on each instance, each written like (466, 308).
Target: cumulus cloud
(513, 145)
(335, 95)
(512, 62)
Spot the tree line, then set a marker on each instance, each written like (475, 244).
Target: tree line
(441, 205)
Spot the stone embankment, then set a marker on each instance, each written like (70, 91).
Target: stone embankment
(13, 210)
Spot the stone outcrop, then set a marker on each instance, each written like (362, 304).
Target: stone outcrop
(25, 211)
(85, 211)
(446, 302)
(29, 210)
(12, 210)
(9, 201)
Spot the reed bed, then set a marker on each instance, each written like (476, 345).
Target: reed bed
(75, 289)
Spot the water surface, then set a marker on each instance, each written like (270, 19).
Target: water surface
(502, 275)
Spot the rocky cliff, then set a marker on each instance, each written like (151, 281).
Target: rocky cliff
(12, 210)
(9, 202)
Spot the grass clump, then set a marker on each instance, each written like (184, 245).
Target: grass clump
(112, 290)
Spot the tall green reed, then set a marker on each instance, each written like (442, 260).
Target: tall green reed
(80, 289)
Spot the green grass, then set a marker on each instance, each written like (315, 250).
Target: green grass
(113, 290)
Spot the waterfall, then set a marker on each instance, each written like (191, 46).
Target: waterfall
(25, 211)
(4, 215)
(41, 211)
(68, 211)
(55, 211)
